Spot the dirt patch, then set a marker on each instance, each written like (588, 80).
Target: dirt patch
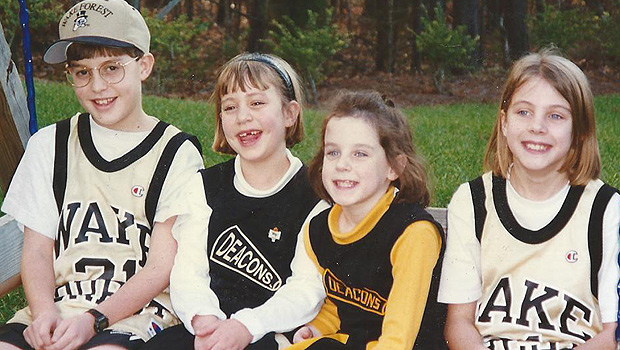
(414, 90)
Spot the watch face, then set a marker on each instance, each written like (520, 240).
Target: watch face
(101, 323)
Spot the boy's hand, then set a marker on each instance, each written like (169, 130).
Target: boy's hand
(39, 333)
(227, 334)
(305, 332)
(73, 332)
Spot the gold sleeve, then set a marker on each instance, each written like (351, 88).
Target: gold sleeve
(413, 258)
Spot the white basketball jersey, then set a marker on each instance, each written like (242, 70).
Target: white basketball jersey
(538, 287)
(105, 225)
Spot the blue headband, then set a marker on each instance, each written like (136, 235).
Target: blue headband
(286, 79)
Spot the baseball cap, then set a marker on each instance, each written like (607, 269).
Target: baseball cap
(112, 23)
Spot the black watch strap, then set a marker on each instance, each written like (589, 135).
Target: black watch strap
(101, 321)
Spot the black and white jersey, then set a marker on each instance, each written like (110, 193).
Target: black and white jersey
(106, 215)
(539, 288)
(251, 240)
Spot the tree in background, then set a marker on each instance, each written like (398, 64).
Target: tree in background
(44, 15)
(467, 13)
(514, 13)
(383, 34)
(308, 48)
(444, 48)
(258, 19)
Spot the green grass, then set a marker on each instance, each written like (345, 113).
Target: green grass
(10, 303)
(451, 138)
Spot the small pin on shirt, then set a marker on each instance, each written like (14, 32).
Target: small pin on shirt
(274, 234)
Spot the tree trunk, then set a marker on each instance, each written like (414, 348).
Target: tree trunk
(466, 13)
(432, 4)
(384, 24)
(596, 6)
(189, 9)
(391, 40)
(516, 31)
(540, 6)
(221, 7)
(416, 26)
(235, 17)
(258, 24)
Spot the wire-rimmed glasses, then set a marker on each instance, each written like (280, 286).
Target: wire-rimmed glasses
(112, 72)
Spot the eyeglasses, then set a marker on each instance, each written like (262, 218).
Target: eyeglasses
(111, 72)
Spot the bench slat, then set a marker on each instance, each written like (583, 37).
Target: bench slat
(11, 244)
(441, 215)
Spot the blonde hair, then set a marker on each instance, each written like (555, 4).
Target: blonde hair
(583, 161)
(259, 71)
(394, 136)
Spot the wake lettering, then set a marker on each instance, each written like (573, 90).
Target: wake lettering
(534, 310)
(93, 225)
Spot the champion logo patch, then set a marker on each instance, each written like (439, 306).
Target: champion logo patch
(234, 251)
(137, 191)
(154, 328)
(572, 256)
(363, 298)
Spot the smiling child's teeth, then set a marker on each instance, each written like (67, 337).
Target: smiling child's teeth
(346, 183)
(104, 101)
(536, 147)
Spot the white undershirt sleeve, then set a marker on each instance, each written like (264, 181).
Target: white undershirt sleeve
(190, 290)
(30, 197)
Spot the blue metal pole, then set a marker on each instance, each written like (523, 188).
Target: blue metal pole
(618, 323)
(24, 19)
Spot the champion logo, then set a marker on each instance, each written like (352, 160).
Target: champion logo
(137, 191)
(572, 256)
(154, 328)
(234, 251)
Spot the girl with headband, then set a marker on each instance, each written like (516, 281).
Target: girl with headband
(228, 283)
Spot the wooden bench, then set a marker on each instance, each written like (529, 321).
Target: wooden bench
(14, 119)
(12, 241)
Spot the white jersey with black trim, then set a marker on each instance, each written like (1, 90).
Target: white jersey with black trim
(106, 220)
(537, 284)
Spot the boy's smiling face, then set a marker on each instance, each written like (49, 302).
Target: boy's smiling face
(116, 106)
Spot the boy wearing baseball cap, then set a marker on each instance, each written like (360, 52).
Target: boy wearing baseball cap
(98, 195)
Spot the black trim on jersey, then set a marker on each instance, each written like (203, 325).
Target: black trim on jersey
(59, 180)
(595, 233)
(529, 236)
(161, 171)
(478, 197)
(86, 140)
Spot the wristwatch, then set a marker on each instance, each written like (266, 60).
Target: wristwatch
(101, 321)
